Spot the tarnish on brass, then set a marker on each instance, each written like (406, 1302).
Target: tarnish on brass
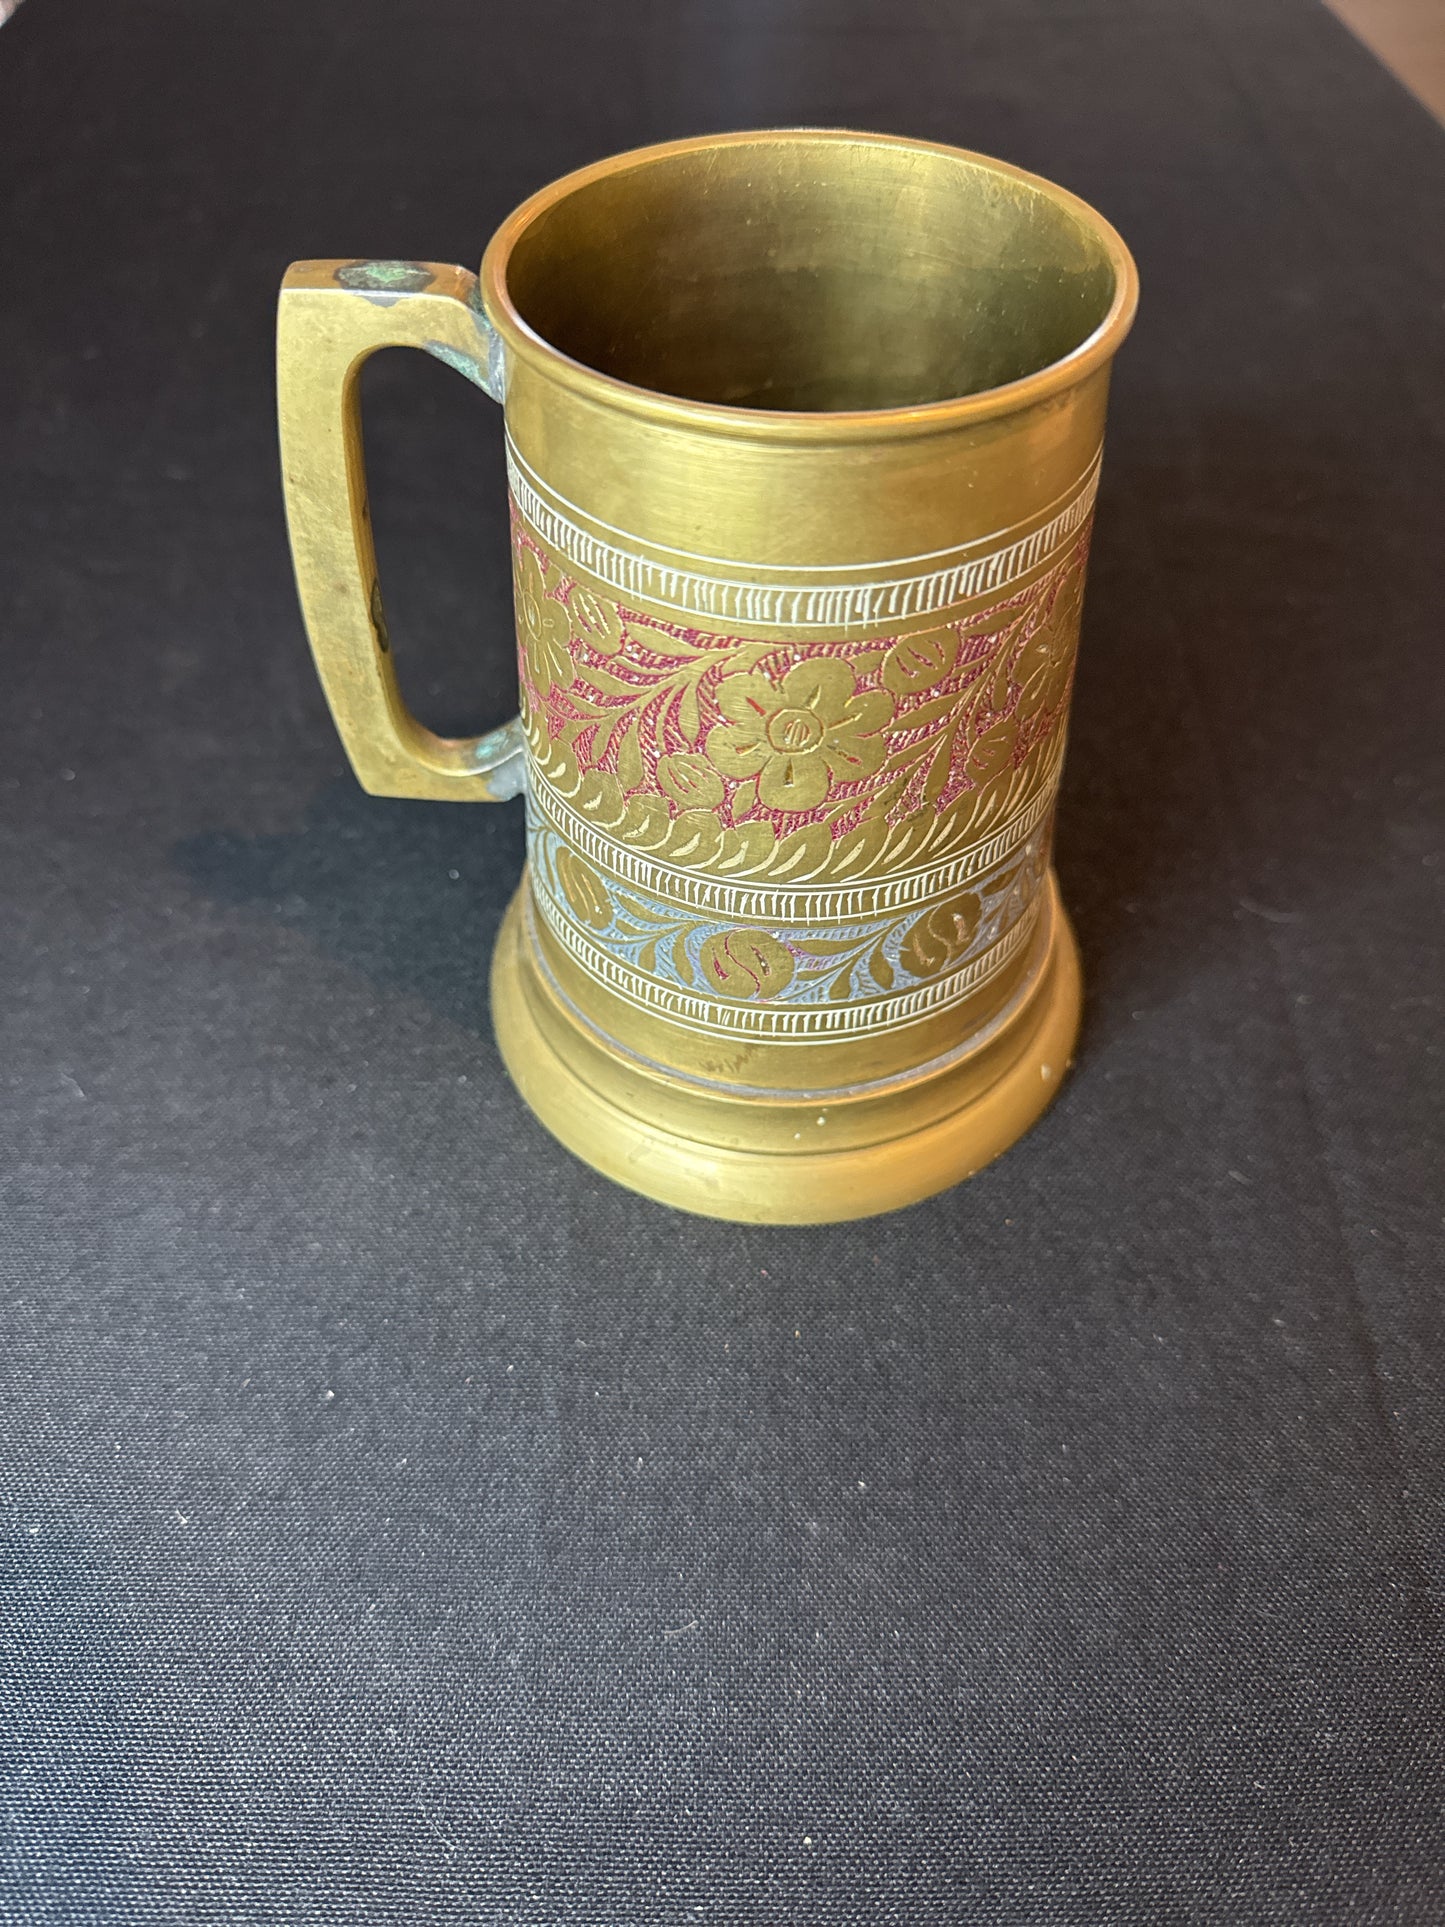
(803, 443)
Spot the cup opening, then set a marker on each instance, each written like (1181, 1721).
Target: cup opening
(812, 273)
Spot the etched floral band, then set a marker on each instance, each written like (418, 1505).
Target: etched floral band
(772, 757)
(742, 757)
(786, 980)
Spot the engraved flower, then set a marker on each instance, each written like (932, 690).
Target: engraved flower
(541, 625)
(800, 736)
(745, 963)
(583, 889)
(941, 935)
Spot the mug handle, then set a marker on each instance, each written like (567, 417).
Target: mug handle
(331, 316)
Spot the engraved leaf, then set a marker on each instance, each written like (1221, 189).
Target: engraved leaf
(629, 761)
(804, 852)
(642, 915)
(604, 732)
(744, 849)
(681, 961)
(915, 832)
(841, 987)
(938, 769)
(851, 852)
(889, 794)
(579, 701)
(1005, 879)
(687, 712)
(933, 711)
(827, 946)
(658, 643)
(860, 846)
(608, 684)
(912, 754)
(647, 956)
(745, 798)
(882, 970)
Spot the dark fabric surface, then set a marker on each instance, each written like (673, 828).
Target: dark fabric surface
(402, 1524)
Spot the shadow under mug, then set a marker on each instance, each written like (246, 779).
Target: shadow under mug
(803, 438)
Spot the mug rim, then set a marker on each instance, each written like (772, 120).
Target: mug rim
(797, 425)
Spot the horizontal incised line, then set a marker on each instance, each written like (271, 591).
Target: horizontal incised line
(790, 1023)
(760, 904)
(787, 601)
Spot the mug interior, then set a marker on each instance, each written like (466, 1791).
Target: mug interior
(812, 273)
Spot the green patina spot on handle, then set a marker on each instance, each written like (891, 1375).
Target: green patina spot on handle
(386, 277)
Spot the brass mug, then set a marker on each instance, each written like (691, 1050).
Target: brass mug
(803, 437)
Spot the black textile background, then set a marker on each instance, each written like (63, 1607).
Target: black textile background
(402, 1524)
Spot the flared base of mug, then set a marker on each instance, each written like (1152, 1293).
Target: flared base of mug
(784, 1157)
